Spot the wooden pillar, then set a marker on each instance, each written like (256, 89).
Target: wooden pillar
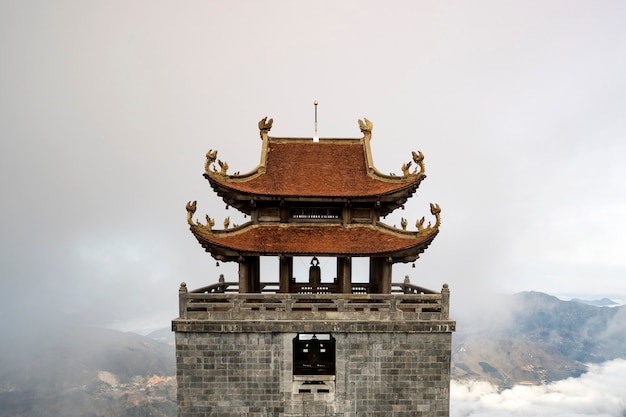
(347, 214)
(254, 273)
(385, 277)
(374, 275)
(283, 212)
(285, 273)
(347, 273)
(339, 279)
(380, 275)
(344, 275)
(243, 276)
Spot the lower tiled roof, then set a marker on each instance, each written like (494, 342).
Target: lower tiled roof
(326, 239)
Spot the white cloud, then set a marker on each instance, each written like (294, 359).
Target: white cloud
(599, 392)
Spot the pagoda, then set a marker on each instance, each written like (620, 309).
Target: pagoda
(350, 345)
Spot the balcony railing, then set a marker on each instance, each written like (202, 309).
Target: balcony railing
(306, 288)
(223, 302)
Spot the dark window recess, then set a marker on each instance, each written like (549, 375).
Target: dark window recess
(314, 354)
(315, 213)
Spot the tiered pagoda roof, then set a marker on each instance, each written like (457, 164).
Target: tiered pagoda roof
(295, 172)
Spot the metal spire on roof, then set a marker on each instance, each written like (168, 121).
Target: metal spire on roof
(315, 137)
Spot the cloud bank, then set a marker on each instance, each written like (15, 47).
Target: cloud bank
(601, 392)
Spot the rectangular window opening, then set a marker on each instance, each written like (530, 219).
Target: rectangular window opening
(314, 354)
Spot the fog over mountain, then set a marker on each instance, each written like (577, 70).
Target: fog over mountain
(71, 370)
(537, 339)
(541, 357)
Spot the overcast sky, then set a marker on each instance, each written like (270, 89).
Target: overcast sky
(107, 109)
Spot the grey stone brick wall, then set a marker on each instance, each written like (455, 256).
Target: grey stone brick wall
(394, 374)
(228, 374)
(379, 372)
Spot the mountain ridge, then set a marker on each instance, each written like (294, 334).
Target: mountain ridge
(75, 371)
(544, 339)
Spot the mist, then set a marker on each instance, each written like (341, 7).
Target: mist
(599, 393)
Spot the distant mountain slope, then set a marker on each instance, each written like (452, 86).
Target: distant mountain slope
(85, 371)
(603, 302)
(165, 335)
(545, 339)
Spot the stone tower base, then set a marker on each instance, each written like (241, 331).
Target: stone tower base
(380, 370)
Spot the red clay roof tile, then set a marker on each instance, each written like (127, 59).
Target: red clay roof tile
(293, 238)
(316, 169)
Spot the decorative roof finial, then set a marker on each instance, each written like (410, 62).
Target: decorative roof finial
(435, 210)
(211, 156)
(366, 128)
(265, 126)
(418, 158)
(223, 167)
(191, 209)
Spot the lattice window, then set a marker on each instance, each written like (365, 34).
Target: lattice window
(321, 213)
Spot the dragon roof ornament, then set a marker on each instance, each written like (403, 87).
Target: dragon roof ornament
(265, 126)
(435, 210)
(209, 165)
(418, 158)
(366, 127)
(191, 210)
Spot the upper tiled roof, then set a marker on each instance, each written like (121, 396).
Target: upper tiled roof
(328, 168)
(324, 239)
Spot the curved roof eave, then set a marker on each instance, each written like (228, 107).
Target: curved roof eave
(310, 240)
(223, 189)
(293, 167)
